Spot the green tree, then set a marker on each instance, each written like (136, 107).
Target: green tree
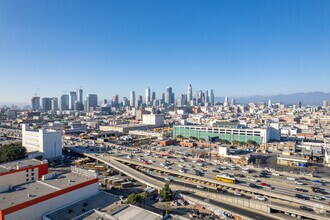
(202, 139)
(180, 137)
(242, 143)
(225, 141)
(234, 142)
(132, 198)
(253, 143)
(12, 152)
(142, 197)
(166, 193)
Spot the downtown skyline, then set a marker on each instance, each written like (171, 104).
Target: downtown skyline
(239, 48)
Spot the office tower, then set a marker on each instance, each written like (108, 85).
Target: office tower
(139, 101)
(163, 98)
(78, 106)
(132, 99)
(199, 96)
(269, 103)
(80, 96)
(125, 101)
(325, 104)
(153, 96)
(64, 102)
(299, 104)
(72, 99)
(189, 93)
(168, 96)
(35, 103)
(211, 96)
(225, 103)
(147, 97)
(54, 103)
(182, 100)
(45, 104)
(207, 100)
(172, 98)
(232, 102)
(104, 102)
(115, 101)
(91, 102)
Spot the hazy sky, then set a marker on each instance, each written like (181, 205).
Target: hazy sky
(238, 48)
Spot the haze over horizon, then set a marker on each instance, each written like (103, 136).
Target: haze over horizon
(237, 48)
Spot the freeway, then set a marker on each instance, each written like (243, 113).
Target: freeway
(103, 157)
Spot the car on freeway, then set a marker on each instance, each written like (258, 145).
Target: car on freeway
(301, 190)
(326, 197)
(305, 208)
(317, 198)
(238, 194)
(223, 168)
(130, 157)
(215, 171)
(276, 174)
(168, 179)
(300, 196)
(260, 198)
(150, 161)
(239, 175)
(252, 185)
(200, 187)
(182, 170)
(145, 162)
(167, 167)
(298, 182)
(253, 180)
(291, 178)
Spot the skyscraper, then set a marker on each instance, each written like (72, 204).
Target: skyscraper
(132, 99)
(168, 96)
(325, 104)
(72, 99)
(269, 103)
(211, 96)
(45, 104)
(35, 103)
(153, 96)
(80, 96)
(232, 102)
(54, 103)
(64, 102)
(147, 97)
(207, 98)
(225, 103)
(189, 93)
(91, 102)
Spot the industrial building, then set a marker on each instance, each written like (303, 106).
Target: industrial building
(21, 172)
(46, 141)
(32, 200)
(153, 119)
(259, 135)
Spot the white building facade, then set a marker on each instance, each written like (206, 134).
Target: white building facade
(48, 142)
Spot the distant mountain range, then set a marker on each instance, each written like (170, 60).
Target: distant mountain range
(9, 104)
(310, 98)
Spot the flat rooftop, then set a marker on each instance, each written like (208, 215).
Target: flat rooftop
(5, 167)
(99, 201)
(122, 212)
(19, 194)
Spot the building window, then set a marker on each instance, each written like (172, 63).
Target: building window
(27, 180)
(32, 178)
(32, 169)
(27, 170)
(27, 175)
(32, 174)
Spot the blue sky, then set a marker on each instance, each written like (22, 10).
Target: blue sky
(238, 48)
